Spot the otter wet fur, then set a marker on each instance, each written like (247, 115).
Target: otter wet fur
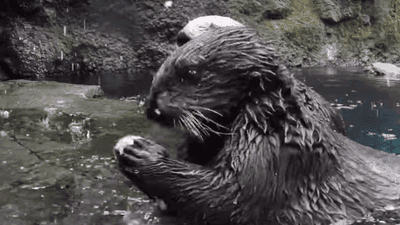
(272, 155)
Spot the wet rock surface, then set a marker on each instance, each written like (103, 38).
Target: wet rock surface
(56, 161)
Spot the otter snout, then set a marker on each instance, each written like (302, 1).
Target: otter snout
(153, 113)
(160, 108)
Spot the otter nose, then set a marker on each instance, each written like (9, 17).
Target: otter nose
(153, 113)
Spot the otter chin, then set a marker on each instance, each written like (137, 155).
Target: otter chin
(263, 147)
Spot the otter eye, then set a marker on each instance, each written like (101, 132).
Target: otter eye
(189, 77)
(187, 73)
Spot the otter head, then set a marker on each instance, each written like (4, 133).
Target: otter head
(203, 85)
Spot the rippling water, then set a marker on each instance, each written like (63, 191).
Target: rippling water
(370, 105)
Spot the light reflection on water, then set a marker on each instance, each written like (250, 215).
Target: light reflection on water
(370, 105)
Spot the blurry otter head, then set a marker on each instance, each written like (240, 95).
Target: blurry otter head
(203, 24)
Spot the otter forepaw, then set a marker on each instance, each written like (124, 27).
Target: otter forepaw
(138, 151)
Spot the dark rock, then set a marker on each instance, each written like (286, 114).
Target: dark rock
(80, 38)
(10, 62)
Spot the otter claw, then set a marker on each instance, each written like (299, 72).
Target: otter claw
(136, 148)
(126, 141)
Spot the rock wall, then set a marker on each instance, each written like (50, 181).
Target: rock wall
(79, 38)
(83, 37)
(328, 32)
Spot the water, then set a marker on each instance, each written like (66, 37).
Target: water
(370, 105)
(58, 168)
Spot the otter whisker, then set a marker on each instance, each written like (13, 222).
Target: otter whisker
(198, 124)
(199, 128)
(188, 121)
(198, 113)
(207, 109)
(181, 124)
(188, 126)
(208, 127)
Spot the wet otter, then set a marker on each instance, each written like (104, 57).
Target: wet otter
(204, 24)
(276, 158)
(191, 152)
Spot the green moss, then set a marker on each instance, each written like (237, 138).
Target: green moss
(298, 36)
(302, 15)
(391, 24)
(250, 8)
(303, 38)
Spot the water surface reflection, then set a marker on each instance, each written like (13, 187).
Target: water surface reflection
(370, 105)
